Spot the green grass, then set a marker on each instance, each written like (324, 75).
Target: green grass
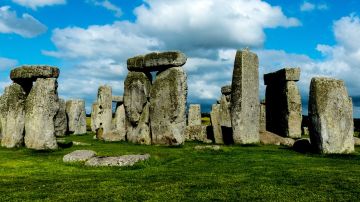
(205, 121)
(236, 173)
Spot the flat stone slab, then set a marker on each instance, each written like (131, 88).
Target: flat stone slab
(156, 61)
(118, 161)
(269, 138)
(226, 90)
(118, 99)
(32, 72)
(79, 156)
(210, 147)
(283, 75)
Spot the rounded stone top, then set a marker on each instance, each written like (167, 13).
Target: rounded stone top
(32, 72)
(226, 90)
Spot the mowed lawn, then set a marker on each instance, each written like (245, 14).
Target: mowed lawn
(236, 173)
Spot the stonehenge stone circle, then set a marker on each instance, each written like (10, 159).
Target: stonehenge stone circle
(245, 98)
(61, 123)
(156, 61)
(12, 114)
(194, 115)
(75, 111)
(331, 116)
(168, 99)
(118, 132)
(101, 114)
(283, 111)
(215, 122)
(41, 106)
(262, 115)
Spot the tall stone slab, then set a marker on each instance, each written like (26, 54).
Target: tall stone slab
(225, 115)
(42, 104)
(61, 123)
(118, 132)
(12, 115)
(102, 114)
(331, 117)
(215, 123)
(245, 98)
(194, 115)
(137, 88)
(284, 111)
(94, 112)
(168, 107)
(262, 116)
(75, 111)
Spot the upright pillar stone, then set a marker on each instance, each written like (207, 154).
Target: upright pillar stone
(225, 115)
(75, 111)
(283, 111)
(331, 117)
(118, 132)
(195, 130)
(12, 114)
(245, 98)
(262, 115)
(102, 115)
(42, 104)
(194, 115)
(61, 123)
(94, 112)
(215, 123)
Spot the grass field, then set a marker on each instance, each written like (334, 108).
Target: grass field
(266, 173)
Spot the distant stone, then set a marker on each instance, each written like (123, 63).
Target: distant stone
(196, 133)
(42, 104)
(118, 99)
(79, 156)
(61, 123)
(226, 90)
(283, 75)
(102, 112)
(168, 107)
(331, 116)
(118, 132)
(75, 110)
(262, 116)
(12, 115)
(32, 72)
(268, 138)
(245, 98)
(215, 122)
(156, 61)
(194, 115)
(208, 147)
(81, 143)
(120, 161)
(225, 115)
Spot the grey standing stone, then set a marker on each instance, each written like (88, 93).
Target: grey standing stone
(12, 114)
(75, 111)
(196, 133)
(94, 112)
(194, 115)
(331, 117)
(215, 122)
(61, 123)
(168, 107)
(42, 104)
(262, 116)
(283, 111)
(245, 98)
(226, 90)
(102, 112)
(136, 101)
(225, 115)
(118, 132)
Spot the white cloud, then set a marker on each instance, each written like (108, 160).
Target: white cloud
(108, 5)
(25, 26)
(6, 63)
(307, 6)
(34, 4)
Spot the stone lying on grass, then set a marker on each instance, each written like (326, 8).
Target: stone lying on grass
(81, 144)
(118, 161)
(268, 138)
(79, 156)
(210, 147)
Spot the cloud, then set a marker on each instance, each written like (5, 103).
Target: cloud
(34, 4)
(6, 63)
(307, 6)
(25, 26)
(108, 5)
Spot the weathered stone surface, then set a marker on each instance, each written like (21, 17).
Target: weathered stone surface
(225, 115)
(196, 133)
(12, 115)
(79, 156)
(42, 104)
(120, 161)
(245, 98)
(226, 90)
(194, 115)
(209, 147)
(118, 132)
(283, 75)
(118, 99)
(61, 123)
(168, 107)
(356, 141)
(215, 122)
(268, 138)
(94, 112)
(331, 117)
(140, 133)
(284, 111)
(262, 116)
(32, 72)
(75, 111)
(156, 61)
(102, 112)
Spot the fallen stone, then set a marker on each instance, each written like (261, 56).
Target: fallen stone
(268, 138)
(120, 161)
(33, 72)
(156, 61)
(283, 75)
(194, 115)
(168, 107)
(208, 147)
(75, 111)
(81, 143)
(61, 123)
(79, 156)
(42, 104)
(245, 98)
(331, 117)
(226, 90)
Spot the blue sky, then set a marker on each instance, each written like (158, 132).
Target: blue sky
(90, 40)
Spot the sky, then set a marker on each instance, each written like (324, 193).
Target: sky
(90, 41)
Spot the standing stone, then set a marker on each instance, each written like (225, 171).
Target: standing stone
(42, 104)
(331, 117)
(225, 115)
(102, 121)
(94, 119)
(118, 132)
(245, 98)
(168, 107)
(75, 111)
(194, 115)
(215, 122)
(61, 122)
(12, 114)
(136, 102)
(283, 111)
(262, 116)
